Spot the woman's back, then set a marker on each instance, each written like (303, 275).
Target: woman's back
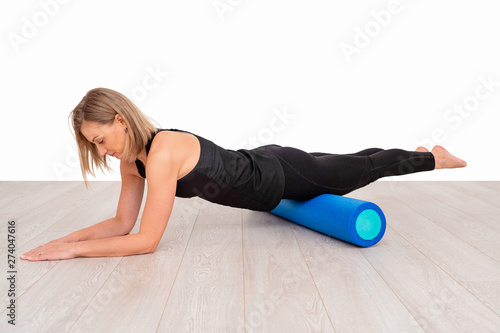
(251, 179)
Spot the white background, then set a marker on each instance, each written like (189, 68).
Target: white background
(226, 68)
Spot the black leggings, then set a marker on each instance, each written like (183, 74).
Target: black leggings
(308, 175)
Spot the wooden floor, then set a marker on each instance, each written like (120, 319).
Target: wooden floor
(220, 269)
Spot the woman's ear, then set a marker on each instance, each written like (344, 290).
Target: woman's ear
(120, 120)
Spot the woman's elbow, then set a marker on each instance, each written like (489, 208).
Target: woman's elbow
(148, 245)
(150, 249)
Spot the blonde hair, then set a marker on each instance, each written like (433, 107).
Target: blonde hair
(101, 105)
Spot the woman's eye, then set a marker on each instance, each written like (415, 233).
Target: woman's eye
(100, 142)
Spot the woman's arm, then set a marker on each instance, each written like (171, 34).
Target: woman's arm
(162, 170)
(129, 204)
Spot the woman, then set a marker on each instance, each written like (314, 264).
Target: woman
(178, 163)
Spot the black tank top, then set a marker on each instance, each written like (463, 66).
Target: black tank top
(251, 179)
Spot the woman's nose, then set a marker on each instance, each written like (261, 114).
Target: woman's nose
(102, 150)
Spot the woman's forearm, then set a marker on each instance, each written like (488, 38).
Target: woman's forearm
(114, 246)
(109, 228)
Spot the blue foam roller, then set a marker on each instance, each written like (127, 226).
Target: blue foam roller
(352, 220)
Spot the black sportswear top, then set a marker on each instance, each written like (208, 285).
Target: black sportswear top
(251, 179)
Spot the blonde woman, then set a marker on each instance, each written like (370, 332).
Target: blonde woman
(177, 163)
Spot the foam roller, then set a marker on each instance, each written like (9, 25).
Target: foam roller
(355, 221)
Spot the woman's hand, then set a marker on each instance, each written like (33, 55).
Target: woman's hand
(54, 250)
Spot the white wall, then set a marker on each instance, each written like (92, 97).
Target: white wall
(342, 75)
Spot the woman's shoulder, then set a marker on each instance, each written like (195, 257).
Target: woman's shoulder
(173, 142)
(182, 148)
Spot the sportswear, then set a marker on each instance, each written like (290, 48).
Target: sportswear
(251, 179)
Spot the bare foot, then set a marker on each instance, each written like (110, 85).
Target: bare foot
(422, 149)
(445, 160)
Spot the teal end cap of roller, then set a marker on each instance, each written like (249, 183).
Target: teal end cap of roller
(368, 224)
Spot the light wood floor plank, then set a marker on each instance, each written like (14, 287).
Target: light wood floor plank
(494, 185)
(207, 295)
(76, 282)
(286, 313)
(470, 229)
(493, 220)
(12, 191)
(489, 195)
(28, 275)
(146, 279)
(461, 200)
(273, 261)
(89, 208)
(356, 297)
(218, 214)
(279, 290)
(437, 302)
(36, 201)
(20, 197)
(479, 273)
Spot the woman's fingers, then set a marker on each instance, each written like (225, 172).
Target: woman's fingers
(39, 248)
(32, 252)
(52, 252)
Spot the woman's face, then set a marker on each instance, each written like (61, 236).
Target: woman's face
(109, 139)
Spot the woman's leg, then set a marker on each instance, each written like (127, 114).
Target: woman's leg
(364, 152)
(309, 175)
